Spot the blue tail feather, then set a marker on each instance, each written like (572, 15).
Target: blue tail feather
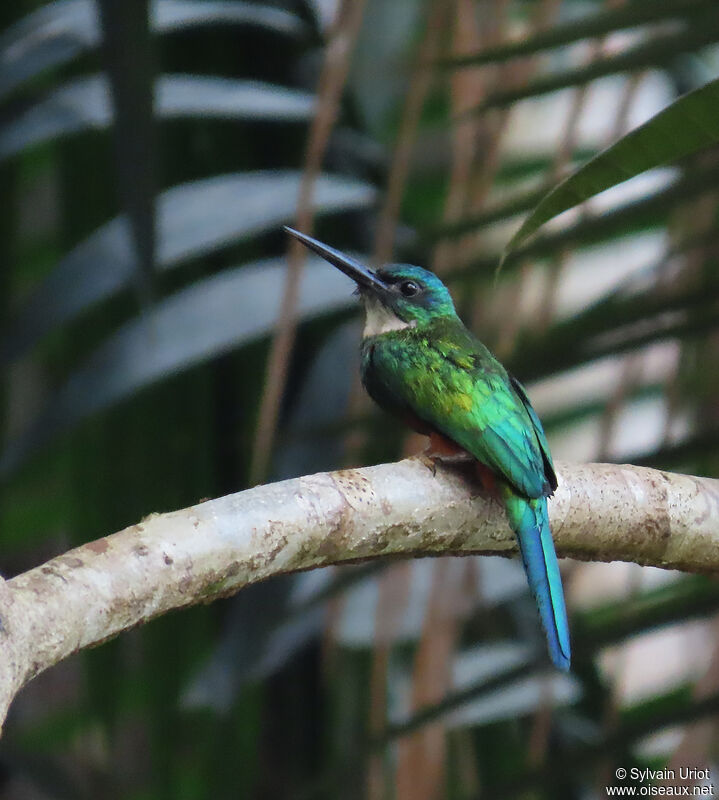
(530, 521)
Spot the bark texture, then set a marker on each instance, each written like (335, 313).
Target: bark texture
(600, 512)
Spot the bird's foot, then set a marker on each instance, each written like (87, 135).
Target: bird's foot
(457, 458)
(428, 462)
(444, 451)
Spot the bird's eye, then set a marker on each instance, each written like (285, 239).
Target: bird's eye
(409, 288)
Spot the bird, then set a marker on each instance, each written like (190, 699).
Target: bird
(420, 363)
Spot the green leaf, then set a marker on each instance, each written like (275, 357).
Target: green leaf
(659, 51)
(688, 125)
(58, 32)
(616, 325)
(261, 633)
(517, 204)
(687, 598)
(131, 74)
(84, 104)
(649, 213)
(193, 219)
(202, 321)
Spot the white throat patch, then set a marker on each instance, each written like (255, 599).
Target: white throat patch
(380, 319)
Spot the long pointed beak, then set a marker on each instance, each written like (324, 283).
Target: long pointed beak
(361, 275)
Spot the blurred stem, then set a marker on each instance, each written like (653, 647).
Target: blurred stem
(688, 598)
(394, 590)
(419, 86)
(577, 760)
(592, 25)
(649, 211)
(455, 699)
(591, 631)
(421, 758)
(331, 83)
(655, 52)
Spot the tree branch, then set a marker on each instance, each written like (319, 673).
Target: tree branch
(599, 512)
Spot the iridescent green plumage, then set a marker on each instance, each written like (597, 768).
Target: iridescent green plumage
(421, 363)
(449, 379)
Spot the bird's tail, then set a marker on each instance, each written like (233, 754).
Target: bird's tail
(530, 521)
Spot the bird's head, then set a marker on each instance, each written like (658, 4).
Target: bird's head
(396, 296)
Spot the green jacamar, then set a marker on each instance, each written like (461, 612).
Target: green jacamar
(421, 363)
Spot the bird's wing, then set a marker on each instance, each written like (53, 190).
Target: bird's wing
(538, 430)
(452, 382)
